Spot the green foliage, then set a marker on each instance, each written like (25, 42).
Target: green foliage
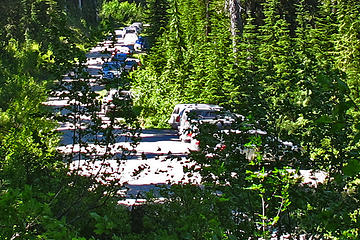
(177, 62)
(294, 74)
(39, 198)
(115, 13)
(187, 212)
(156, 13)
(25, 215)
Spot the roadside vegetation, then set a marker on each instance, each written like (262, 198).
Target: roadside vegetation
(43, 42)
(291, 68)
(115, 14)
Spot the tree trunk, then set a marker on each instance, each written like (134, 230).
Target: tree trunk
(235, 9)
(96, 11)
(80, 4)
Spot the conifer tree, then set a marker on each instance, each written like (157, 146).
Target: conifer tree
(276, 66)
(243, 87)
(219, 59)
(157, 17)
(348, 45)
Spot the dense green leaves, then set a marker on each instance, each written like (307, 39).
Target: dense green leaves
(39, 198)
(293, 74)
(115, 13)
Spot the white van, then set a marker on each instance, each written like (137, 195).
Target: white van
(197, 114)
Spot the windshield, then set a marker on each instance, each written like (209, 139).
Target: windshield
(120, 56)
(109, 67)
(130, 63)
(209, 114)
(203, 113)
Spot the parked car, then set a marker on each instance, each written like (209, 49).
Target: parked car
(227, 141)
(111, 70)
(119, 57)
(109, 40)
(139, 44)
(175, 117)
(130, 65)
(122, 49)
(130, 38)
(218, 120)
(113, 95)
(174, 120)
(120, 34)
(193, 115)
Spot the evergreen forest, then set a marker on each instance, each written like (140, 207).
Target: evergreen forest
(290, 67)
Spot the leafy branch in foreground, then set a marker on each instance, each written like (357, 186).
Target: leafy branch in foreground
(98, 137)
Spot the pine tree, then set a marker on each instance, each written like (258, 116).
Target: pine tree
(158, 18)
(348, 45)
(276, 66)
(243, 87)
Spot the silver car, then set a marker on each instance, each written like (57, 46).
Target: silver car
(212, 114)
(179, 109)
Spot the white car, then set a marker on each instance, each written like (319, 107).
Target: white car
(174, 120)
(225, 139)
(138, 25)
(193, 115)
(119, 34)
(130, 38)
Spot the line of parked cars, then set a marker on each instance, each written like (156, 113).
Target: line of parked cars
(191, 119)
(119, 62)
(125, 36)
(125, 42)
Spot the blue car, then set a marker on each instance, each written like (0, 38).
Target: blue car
(119, 57)
(111, 65)
(139, 44)
(111, 70)
(130, 65)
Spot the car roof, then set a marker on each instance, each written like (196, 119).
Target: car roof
(182, 104)
(197, 105)
(188, 107)
(199, 110)
(204, 107)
